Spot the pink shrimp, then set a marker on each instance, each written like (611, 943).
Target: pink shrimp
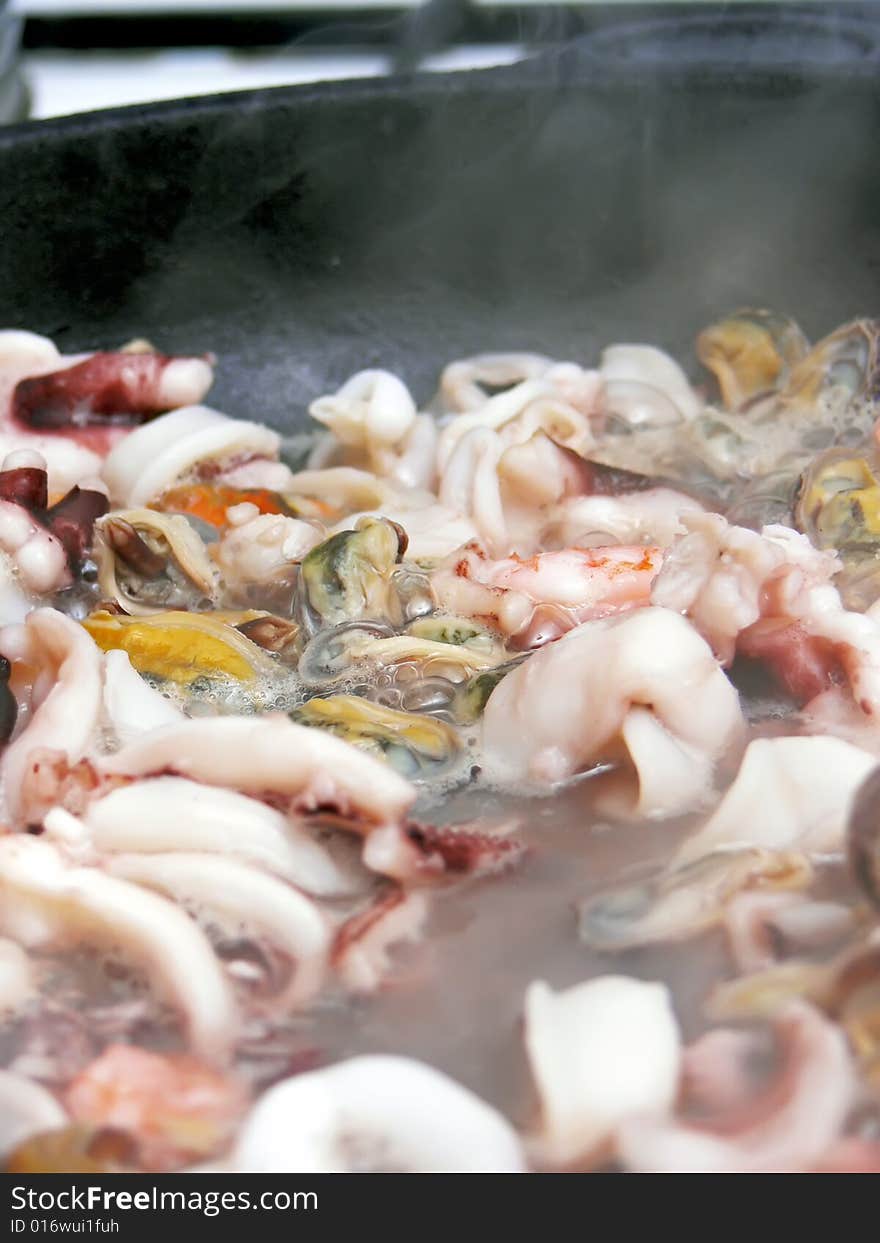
(536, 600)
(177, 1109)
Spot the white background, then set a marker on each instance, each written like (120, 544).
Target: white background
(65, 82)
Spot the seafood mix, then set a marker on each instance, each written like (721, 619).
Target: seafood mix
(280, 718)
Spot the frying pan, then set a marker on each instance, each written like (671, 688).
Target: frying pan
(630, 186)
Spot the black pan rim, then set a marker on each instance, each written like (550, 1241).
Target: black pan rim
(560, 70)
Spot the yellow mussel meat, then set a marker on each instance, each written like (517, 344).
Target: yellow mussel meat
(406, 739)
(184, 647)
(750, 352)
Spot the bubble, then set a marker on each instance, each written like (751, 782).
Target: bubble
(428, 695)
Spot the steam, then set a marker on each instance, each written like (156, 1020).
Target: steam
(595, 194)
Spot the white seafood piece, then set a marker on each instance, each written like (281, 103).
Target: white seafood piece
(22, 355)
(159, 454)
(48, 903)
(672, 777)
(184, 382)
(24, 458)
(789, 792)
(343, 487)
(246, 899)
(36, 554)
(469, 486)
(493, 414)
(372, 413)
(66, 831)
(410, 463)
(749, 925)
(538, 472)
(716, 574)
(131, 706)
(171, 813)
(15, 601)
(645, 368)
(570, 705)
(718, 1068)
(518, 413)
(757, 922)
(650, 517)
(65, 700)
(324, 453)
(262, 547)
(389, 851)
(361, 953)
(726, 577)
(416, 455)
(553, 497)
(856, 638)
(270, 754)
(513, 418)
(563, 423)
(17, 982)
(464, 382)
(433, 529)
(601, 1052)
(26, 1109)
(834, 712)
(375, 1114)
(786, 1127)
(258, 472)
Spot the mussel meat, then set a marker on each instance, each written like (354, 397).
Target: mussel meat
(349, 575)
(409, 741)
(149, 560)
(184, 647)
(839, 501)
(750, 352)
(838, 506)
(458, 631)
(448, 660)
(685, 900)
(847, 360)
